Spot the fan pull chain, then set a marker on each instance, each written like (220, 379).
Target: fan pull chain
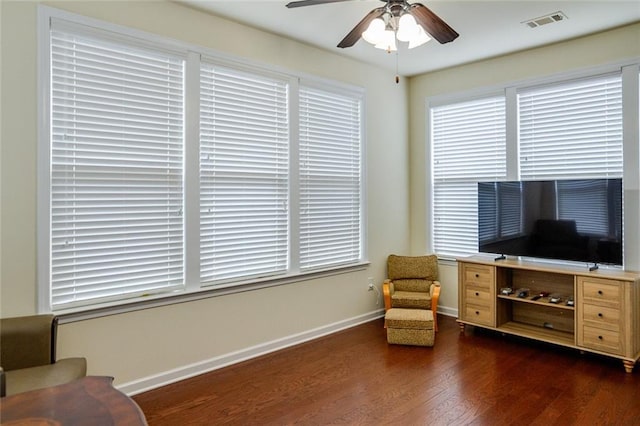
(397, 74)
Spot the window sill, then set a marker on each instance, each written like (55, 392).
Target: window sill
(148, 302)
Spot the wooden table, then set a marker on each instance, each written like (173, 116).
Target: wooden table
(91, 400)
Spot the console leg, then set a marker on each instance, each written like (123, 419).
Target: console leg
(461, 327)
(628, 365)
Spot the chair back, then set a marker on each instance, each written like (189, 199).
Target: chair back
(412, 273)
(27, 341)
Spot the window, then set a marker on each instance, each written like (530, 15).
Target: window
(573, 130)
(570, 129)
(244, 143)
(330, 178)
(171, 171)
(116, 185)
(468, 142)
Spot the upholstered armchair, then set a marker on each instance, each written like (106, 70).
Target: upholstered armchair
(412, 283)
(28, 355)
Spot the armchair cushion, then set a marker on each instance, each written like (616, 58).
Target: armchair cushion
(411, 300)
(28, 355)
(412, 285)
(417, 294)
(407, 267)
(43, 376)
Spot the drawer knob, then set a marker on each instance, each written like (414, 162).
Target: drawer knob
(600, 314)
(477, 294)
(600, 337)
(477, 312)
(477, 275)
(600, 292)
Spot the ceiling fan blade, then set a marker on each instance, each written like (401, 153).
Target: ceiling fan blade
(355, 34)
(311, 2)
(432, 24)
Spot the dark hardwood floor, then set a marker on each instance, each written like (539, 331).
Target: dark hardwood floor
(354, 377)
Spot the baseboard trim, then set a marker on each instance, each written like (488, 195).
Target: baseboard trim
(450, 312)
(155, 381)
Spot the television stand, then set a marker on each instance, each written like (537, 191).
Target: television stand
(501, 257)
(594, 267)
(594, 311)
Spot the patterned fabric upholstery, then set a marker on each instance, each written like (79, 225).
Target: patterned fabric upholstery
(411, 299)
(404, 336)
(410, 327)
(409, 318)
(412, 284)
(412, 278)
(407, 267)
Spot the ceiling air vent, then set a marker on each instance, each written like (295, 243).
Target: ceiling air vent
(547, 19)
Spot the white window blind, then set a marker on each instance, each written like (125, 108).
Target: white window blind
(571, 130)
(244, 183)
(330, 178)
(468, 143)
(116, 189)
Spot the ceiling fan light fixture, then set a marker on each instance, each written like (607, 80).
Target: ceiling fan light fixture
(407, 28)
(388, 42)
(393, 25)
(374, 33)
(421, 38)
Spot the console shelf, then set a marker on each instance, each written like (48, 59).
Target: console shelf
(543, 301)
(542, 334)
(604, 319)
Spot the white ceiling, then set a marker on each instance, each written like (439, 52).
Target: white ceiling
(486, 28)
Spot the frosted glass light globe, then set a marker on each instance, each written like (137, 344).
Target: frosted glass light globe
(374, 33)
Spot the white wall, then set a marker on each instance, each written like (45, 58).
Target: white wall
(595, 50)
(148, 346)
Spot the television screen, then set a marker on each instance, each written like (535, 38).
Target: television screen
(575, 220)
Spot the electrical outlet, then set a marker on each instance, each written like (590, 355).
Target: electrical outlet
(370, 286)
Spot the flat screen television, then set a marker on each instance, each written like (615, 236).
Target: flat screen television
(573, 220)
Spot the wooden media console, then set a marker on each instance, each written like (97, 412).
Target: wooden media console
(593, 311)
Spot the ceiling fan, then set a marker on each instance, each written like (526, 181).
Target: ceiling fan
(390, 19)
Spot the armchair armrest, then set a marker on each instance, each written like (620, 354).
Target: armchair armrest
(435, 295)
(387, 291)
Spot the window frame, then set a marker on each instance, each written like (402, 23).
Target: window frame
(193, 288)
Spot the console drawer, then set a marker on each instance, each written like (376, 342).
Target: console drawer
(478, 297)
(477, 275)
(479, 315)
(604, 340)
(601, 317)
(600, 292)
